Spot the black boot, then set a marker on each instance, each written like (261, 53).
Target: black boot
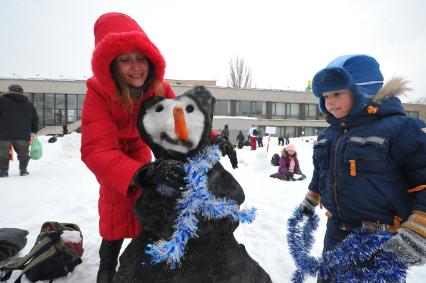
(108, 254)
(23, 167)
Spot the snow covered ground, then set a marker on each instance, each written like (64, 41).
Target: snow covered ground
(60, 188)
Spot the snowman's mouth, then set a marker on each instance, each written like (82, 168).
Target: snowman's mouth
(164, 136)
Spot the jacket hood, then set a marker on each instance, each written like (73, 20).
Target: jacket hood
(115, 34)
(16, 96)
(384, 103)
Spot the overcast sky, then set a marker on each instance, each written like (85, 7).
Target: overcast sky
(284, 42)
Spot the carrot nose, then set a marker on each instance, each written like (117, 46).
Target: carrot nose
(180, 125)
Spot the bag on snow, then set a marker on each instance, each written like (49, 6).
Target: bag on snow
(275, 160)
(36, 150)
(57, 251)
(52, 139)
(12, 240)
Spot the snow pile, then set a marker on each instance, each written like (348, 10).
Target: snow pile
(71, 236)
(61, 188)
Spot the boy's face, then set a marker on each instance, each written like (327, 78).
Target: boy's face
(339, 102)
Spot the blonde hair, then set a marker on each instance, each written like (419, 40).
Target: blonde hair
(123, 92)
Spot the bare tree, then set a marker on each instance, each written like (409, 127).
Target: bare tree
(239, 74)
(421, 100)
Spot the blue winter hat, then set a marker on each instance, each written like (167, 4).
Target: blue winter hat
(359, 73)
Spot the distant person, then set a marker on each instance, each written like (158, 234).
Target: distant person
(289, 168)
(225, 132)
(252, 136)
(287, 138)
(65, 130)
(280, 140)
(240, 139)
(259, 139)
(18, 122)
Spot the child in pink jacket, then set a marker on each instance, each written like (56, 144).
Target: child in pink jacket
(289, 169)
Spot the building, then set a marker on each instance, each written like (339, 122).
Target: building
(59, 102)
(290, 112)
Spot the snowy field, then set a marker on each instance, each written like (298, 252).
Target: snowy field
(60, 188)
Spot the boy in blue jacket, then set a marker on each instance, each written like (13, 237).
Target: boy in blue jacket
(370, 163)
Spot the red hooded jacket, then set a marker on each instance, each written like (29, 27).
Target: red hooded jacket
(111, 146)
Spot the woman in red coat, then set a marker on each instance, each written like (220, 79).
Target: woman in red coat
(127, 69)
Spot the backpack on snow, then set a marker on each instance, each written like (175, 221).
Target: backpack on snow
(12, 240)
(275, 160)
(57, 251)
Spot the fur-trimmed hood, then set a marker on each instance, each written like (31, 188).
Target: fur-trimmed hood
(15, 96)
(115, 34)
(393, 88)
(387, 101)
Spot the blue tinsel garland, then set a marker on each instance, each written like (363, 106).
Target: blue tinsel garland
(196, 200)
(359, 258)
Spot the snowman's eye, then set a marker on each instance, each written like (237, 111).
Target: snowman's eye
(159, 108)
(190, 108)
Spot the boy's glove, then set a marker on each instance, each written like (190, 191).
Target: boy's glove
(226, 148)
(307, 207)
(162, 171)
(409, 246)
(309, 203)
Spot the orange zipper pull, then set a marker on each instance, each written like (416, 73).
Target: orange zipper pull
(372, 109)
(352, 164)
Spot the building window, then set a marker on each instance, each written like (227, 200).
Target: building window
(38, 100)
(414, 114)
(309, 131)
(292, 110)
(278, 110)
(222, 107)
(57, 109)
(60, 109)
(49, 106)
(280, 132)
(291, 131)
(243, 108)
(251, 108)
(259, 109)
(80, 100)
(71, 108)
(311, 111)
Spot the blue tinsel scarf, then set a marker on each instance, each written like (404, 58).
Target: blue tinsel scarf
(196, 200)
(359, 258)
